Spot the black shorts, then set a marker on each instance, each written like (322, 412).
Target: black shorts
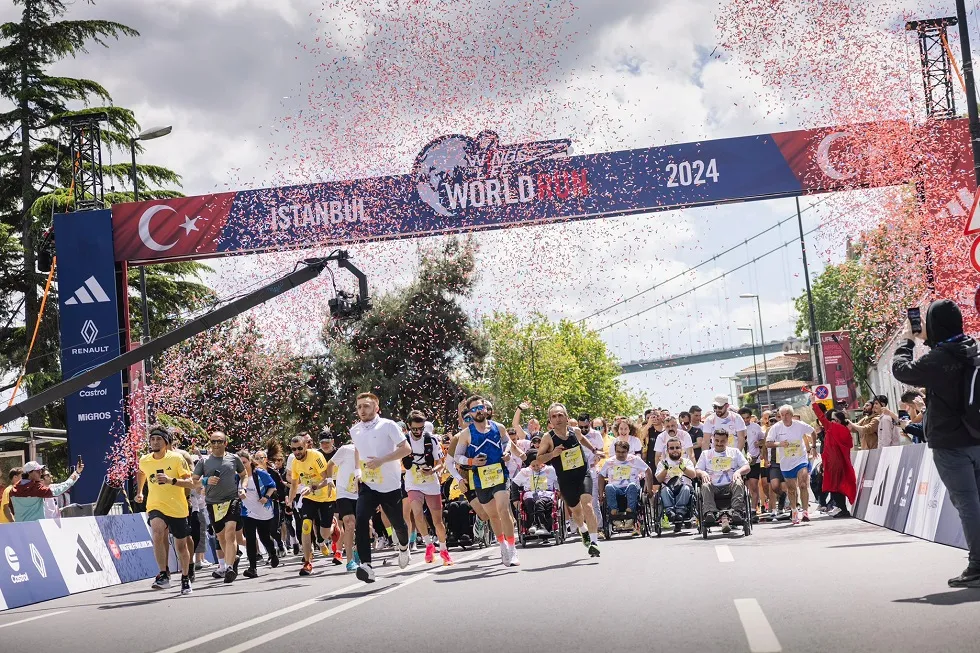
(755, 471)
(471, 495)
(572, 487)
(178, 526)
(319, 511)
(346, 507)
(515, 492)
(775, 474)
(485, 495)
(234, 514)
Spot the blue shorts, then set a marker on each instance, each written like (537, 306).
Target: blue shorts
(791, 474)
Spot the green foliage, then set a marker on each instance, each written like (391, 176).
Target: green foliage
(545, 362)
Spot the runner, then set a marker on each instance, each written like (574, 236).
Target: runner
(568, 451)
(791, 436)
(423, 468)
(380, 446)
(725, 418)
(311, 482)
(347, 475)
(328, 449)
(482, 446)
(166, 505)
(258, 513)
(224, 488)
(755, 440)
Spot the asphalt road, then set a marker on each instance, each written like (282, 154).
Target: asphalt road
(825, 586)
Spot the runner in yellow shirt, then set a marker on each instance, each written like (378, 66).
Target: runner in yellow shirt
(315, 487)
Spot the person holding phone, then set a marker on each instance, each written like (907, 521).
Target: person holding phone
(167, 477)
(224, 479)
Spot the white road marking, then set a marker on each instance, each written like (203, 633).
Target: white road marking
(40, 616)
(757, 629)
(203, 639)
(724, 553)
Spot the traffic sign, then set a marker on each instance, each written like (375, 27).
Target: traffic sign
(822, 395)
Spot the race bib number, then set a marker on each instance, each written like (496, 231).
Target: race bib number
(794, 449)
(418, 476)
(539, 483)
(371, 475)
(721, 464)
(622, 472)
(352, 484)
(491, 475)
(572, 458)
(220, 510)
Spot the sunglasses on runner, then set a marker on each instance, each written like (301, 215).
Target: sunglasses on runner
(477, 409)
(217, 441)
(297, 448)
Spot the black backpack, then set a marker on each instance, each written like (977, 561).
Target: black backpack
(428, 442)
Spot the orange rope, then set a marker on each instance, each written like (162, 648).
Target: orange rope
(952, 59)
(37, 325)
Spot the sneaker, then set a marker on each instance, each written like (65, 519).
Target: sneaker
(325, 550)
(795, 519)
(446, 560)
(404, 557)
(357, 558)
(504, 554)
(273, 561)
(281, 551)
(351, 565)
(586, 541)
(513, 562)
(306, 569)
(806, 516)
(664, 522)
(365, 572)
(823, 509)
(593, 550)
(678, 527)
(969, 578)
(726, 526)
(843, 514)
(234, 567)
(833, 512)
(192, 574)
(198, 566)
(430, 553)
(185, 586)
(217, 574)
(296, 549)
(161, 582)
(250, 573)
(230, 576)
(338, 557)
(532, 531)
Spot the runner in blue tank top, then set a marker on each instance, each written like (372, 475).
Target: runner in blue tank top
(483, 446)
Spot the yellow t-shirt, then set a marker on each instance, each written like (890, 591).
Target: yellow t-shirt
(309, 472)
(168, 499)
(4, 503)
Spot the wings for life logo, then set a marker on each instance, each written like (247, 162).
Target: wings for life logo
(456, 172)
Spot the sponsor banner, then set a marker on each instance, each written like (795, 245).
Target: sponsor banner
(129, 543)
(89, 324)
(909, 464)
(460, 183)
(81, 553)
(949, 530)
(879, 499)
(838, 368)
(866, 480)
(28, 571)
(930, 494)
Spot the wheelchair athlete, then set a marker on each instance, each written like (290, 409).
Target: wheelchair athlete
(721, 469)
(620, 477)
(538, 483)
(675, 474)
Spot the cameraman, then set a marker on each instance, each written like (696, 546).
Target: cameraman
(956, 455)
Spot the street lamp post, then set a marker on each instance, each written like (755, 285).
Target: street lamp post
(762, 336)
(755, 365)
(145, 135)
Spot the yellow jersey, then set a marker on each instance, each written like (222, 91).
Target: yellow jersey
(168, 499)
(309, 472)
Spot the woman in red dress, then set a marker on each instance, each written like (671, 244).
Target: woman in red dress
(838, 472)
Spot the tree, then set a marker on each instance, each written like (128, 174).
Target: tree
(415, 348)
(35, 178)
(545, 362)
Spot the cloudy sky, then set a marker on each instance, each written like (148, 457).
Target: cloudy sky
(264, 93)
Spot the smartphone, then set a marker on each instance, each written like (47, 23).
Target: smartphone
(216, 473)
(79, 463)
(915, 319)
(159, 471)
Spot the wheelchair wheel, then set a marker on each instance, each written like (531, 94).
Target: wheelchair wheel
(647, 523)
(521, 531)
(656, 514)
(606, 526)
(560, 523)
(747, 526)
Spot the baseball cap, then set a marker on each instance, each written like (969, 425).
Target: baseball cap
(326, 435)
(32, 466)
(719, 401)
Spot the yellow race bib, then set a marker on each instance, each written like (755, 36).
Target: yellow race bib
(794, 449)
(220, 510)
(572, 459)
(721, 464)
(352, 484)
(371, 475)
(622, 472)
(539, 483)
(674, 472)
(418, 476)
(491, 475)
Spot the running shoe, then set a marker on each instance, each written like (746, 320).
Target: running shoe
(217, 573)
(806, 516)
(192, 574)
(513, 562)
(404, 557)
(306, 569)
(446, 560)
(325, 550)
(161, 582)
(504, 554)
(365, 572)
(430, 553)
(251, 572)
(230, 576)
(678, 527)
(357, 558)
(664, 522)
(593, 549)
(833, 512)
(296, 549)
(274, 561)
(185, 586)
(586, 540)
(338, 558)
(795, 519)
(351, 565)
(532, 531)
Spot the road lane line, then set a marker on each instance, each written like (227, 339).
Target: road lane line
(203, 639)
(724, 553)
(40, 616)
(757, 629)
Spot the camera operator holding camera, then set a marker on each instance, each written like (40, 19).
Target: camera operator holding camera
(942, 371)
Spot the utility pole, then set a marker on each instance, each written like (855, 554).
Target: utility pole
(814, 334)
(971, 91)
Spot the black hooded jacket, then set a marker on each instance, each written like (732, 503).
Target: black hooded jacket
(942, 372)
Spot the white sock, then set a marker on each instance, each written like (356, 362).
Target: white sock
(443, 547)
(221, 565)
(427, 539)
(583, 529)
(594, 537)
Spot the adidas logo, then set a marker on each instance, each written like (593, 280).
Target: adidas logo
(90, 293)
(86, 561)
(880, 497)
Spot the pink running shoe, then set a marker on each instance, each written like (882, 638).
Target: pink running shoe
(430, 552)
(446, 560)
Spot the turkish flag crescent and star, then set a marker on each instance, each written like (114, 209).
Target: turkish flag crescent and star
(183, 227)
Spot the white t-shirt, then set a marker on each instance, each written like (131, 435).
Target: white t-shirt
(674, 468)
(623, 472)
(542, 483)
(345, 479)
(661, 444)
(414, 478)
(376, 439)
(794, 454)
(595, 439)
(636, 446)
(721, 466)
(753, 435)
(733, 423)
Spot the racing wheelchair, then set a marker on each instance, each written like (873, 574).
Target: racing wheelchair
(525, 521)
(724, 505)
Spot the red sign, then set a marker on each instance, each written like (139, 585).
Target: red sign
(838, 367)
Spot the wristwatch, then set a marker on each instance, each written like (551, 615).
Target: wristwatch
(173, 481)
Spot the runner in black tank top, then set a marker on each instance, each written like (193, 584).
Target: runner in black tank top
(567, 454)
